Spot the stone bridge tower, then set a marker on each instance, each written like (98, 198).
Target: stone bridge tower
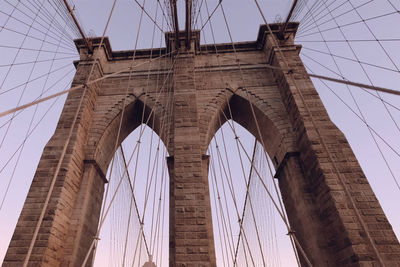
(330, 205)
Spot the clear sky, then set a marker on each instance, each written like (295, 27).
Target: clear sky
(244, 20)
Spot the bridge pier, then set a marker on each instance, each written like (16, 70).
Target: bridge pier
(191, 232)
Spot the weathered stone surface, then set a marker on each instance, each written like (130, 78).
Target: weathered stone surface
(186, 98)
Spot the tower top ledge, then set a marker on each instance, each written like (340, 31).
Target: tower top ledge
(170, 39)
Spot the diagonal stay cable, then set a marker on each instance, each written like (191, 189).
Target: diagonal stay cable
(77, 87)
(219, 62)
(351, 40)
(23, 142)
(61, 159)
(374, 35)
(37, 61)
(27, 131)
(310, 26)
(30, 71)
(356, 84)
(149, 16)
(63, 12)
(362, 67)
(282, 216)
(347, 25)
(351, 59)
(224, 228)
(133, 195)
(344, 79)
(210, 15)
(46, 12)
(27, 35)
(119, 131)
(246, 198)
(365, 87)
(49, 25)
(224, 211)
(228, 175)
(48, 89)
(107, 209)
(227, 228)
(34, 49)
(164, 16)
(54, 35)
(20, 145)
(282, 210)
(42, 10)
(36, 78)
(316, 7)
(322, 140)
(369, 127)
(224, 246)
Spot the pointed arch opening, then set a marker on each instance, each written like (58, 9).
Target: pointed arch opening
(135, 205)
(136, 113)
(247, 141)
(248, 230)
(267, 121)
(133, 220)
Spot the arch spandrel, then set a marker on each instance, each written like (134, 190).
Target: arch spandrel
(219, 80)
(274, 125)
(104, 130)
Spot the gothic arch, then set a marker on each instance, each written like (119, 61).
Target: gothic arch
(102, 142)
(280, 142)
(274, 125)
(99, 153)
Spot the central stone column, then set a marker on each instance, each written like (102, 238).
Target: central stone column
(191, 233)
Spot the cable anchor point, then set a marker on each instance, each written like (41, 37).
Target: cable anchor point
(291, 232)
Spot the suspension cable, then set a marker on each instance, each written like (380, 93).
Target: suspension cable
(255, 120)
(4, 113)
(28, 131)
(371, 130)
(53, 180)
(129, 161)
(341, 179)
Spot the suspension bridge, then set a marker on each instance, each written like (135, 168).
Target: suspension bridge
(199, 133)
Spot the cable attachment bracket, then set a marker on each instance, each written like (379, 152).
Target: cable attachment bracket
(291, 232)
